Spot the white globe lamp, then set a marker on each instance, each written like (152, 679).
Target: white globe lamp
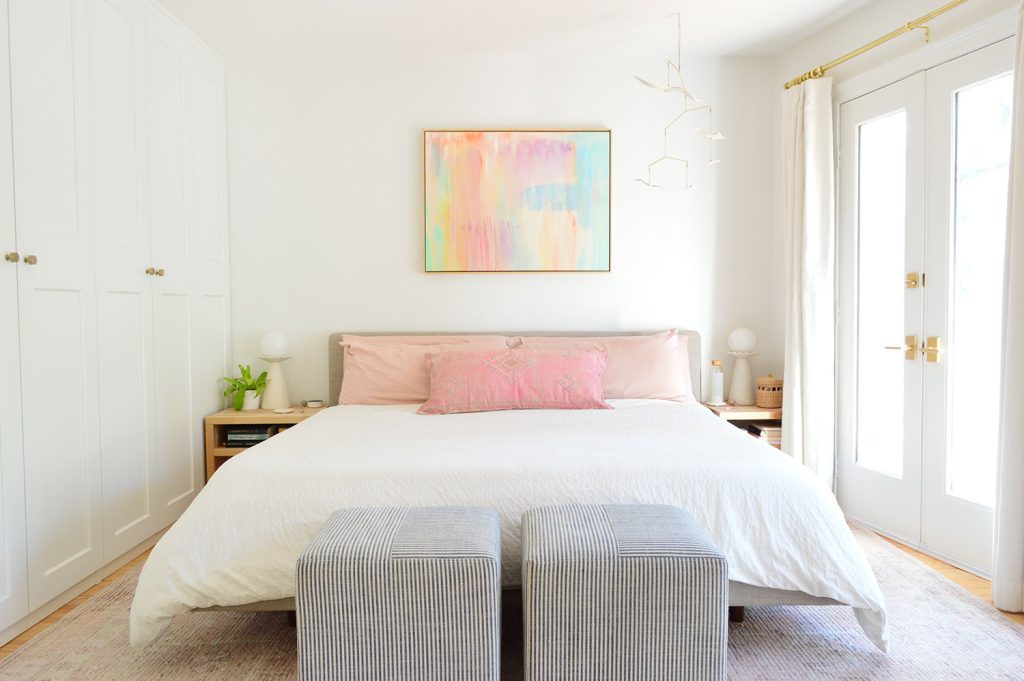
(274, 351)
(742, 346)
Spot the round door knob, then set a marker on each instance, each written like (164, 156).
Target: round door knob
(12, 256)
(31, 260)
(160, 272)
(151, 270)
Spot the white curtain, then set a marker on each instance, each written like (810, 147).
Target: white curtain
(808, 424)
(1008, 564)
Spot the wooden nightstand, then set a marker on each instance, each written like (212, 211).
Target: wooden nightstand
(743, 417)
(217, 426)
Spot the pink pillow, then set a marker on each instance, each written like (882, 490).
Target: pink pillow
(393, 373)
(520, 378)
(653, 366)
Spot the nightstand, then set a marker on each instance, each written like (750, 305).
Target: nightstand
(745, 417)
(253, 423)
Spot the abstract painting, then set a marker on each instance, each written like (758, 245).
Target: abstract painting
(517, 201)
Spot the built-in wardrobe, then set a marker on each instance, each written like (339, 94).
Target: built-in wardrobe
(114, 319)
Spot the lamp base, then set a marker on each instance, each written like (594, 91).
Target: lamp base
(276, 394)
(741, 388)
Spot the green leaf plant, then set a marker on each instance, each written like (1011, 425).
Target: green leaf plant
(237, 386)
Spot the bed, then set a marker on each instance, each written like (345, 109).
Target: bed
(235, 547)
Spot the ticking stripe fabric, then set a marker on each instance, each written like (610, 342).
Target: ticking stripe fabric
(404, 594)
(622, 593)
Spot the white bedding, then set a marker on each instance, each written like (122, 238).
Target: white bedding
(239, 540)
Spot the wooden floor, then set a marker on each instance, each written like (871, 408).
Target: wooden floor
(976, 585)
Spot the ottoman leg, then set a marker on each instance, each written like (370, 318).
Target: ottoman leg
(736, 613)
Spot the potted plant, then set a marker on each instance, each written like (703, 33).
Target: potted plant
(245, 391)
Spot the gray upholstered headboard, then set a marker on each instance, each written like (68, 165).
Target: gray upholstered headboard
(336, 354)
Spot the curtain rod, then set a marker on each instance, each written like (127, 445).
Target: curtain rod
(907, 28)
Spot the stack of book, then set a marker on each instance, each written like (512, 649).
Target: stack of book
(769, 432)
(246, 436)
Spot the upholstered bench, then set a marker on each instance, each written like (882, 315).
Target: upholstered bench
(401, 594)
(622, 593)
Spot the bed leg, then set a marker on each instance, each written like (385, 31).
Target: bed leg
(736, 613)
(291, 617)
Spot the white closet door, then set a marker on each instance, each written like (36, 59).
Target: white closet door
(124, 321)
(210, 312)
(168, 65)
(57, 305)
(13, 579)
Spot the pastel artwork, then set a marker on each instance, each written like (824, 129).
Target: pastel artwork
(517, 201)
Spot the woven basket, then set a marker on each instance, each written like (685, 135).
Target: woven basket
(769, 392)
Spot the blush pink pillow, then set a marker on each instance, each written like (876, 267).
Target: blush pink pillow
(393, 373)
(653, 366)
(519, 378)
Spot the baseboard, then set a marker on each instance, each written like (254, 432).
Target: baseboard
(55, 604)
(974, 570)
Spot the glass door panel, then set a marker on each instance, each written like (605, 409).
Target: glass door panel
(982, 168)
(881, 256)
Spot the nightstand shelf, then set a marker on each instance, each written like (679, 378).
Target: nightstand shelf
(744, 416)
(217, 426)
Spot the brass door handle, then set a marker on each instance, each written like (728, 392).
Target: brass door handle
(13, 256)
(909, 347)
(31, 260)
(160, 272)
(932, 349)
(151, 270)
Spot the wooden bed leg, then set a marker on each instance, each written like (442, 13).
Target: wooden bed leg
(736, 613)
(291, 616)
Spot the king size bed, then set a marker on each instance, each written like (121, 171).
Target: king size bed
(235, 547)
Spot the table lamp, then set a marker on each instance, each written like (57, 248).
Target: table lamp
(741, 347)
(274, 351)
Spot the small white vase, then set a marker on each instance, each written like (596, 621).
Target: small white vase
(252, 401)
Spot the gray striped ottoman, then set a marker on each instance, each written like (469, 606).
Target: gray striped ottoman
(401, 593)
(622, 593)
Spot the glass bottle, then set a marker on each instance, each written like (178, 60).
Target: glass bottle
(717, 397)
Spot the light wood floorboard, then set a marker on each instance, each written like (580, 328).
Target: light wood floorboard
(976, 585)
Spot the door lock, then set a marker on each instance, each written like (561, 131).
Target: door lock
(909, 347)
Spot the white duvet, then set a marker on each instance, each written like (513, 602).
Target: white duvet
(239, 540)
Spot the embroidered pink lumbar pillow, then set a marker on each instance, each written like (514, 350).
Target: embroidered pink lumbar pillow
(649, 366)
(520, 378)
(391, 372)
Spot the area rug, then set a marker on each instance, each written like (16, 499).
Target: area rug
(938, 631)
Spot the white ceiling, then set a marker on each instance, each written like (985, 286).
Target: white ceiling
(243, 28)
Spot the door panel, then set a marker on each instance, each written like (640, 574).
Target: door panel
(124, 321)
(969, 102)
(176, 454)
(880, 241)
(57, 307)
(13, 577)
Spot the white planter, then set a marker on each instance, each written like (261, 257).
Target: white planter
(251, 402)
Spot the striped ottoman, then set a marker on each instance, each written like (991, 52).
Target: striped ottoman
(401, 594)
(622, 593)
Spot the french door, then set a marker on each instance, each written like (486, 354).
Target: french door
(923, 181)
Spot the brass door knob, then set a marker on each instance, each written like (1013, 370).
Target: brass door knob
(150, 270)
(31, 260)
(13, 256)
(160, 272)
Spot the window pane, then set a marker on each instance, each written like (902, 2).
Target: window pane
(881, 229)
(982, 118)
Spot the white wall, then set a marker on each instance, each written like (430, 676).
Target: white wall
(326, 182)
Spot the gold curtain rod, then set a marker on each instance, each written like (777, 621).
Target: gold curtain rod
(910, 26)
